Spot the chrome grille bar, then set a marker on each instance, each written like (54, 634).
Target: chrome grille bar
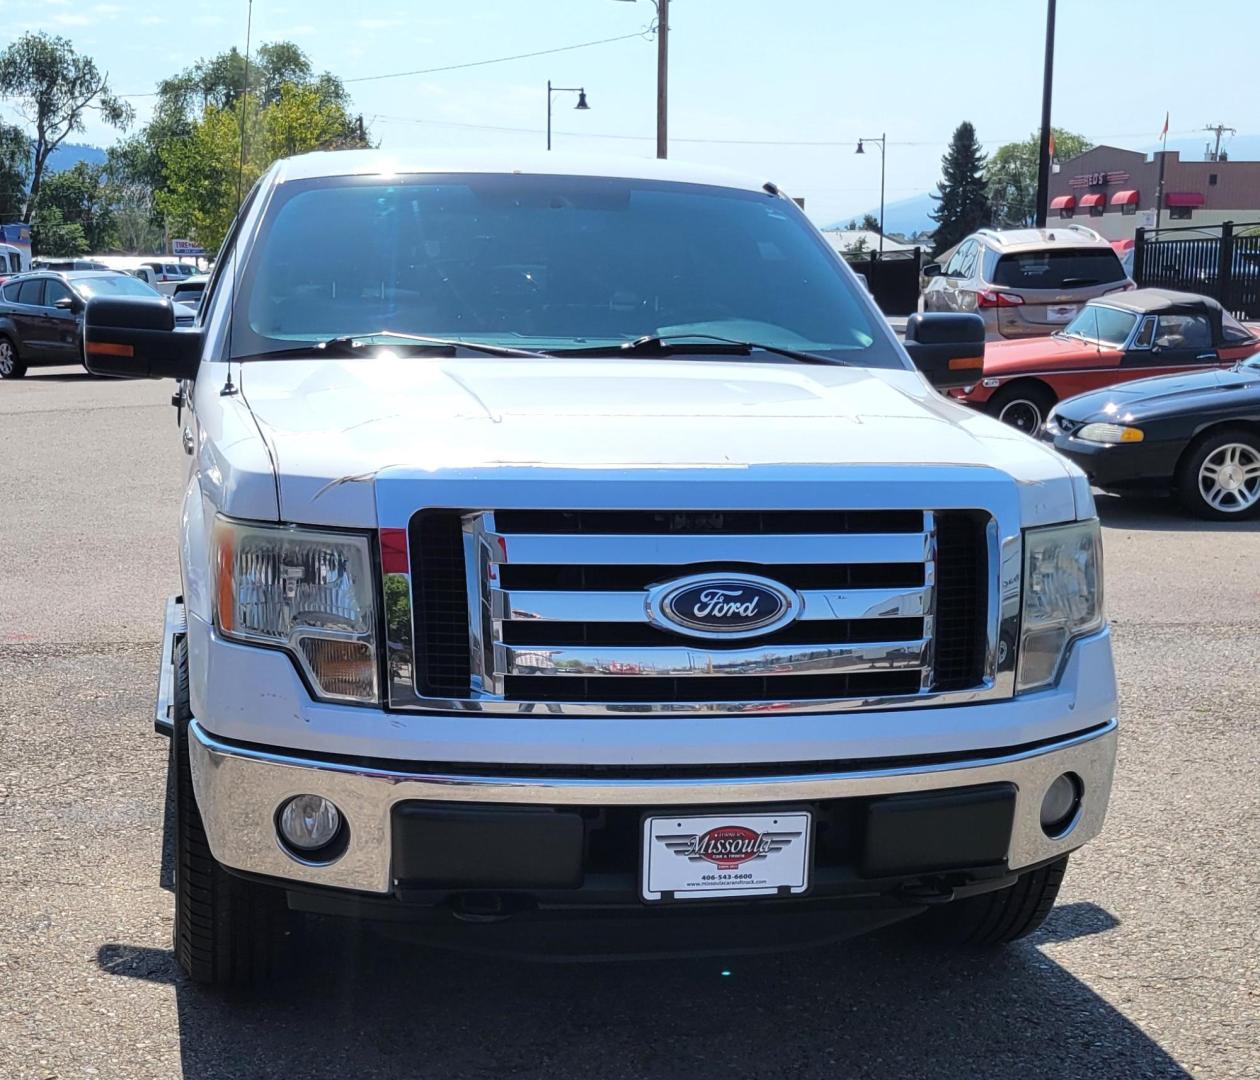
(681, 549)
(817, 605)
(681, 662)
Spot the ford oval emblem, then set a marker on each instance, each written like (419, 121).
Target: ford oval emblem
(722, 605)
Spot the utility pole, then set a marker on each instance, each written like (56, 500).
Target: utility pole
(662, 78)
(1219, 129)
(1043, 157)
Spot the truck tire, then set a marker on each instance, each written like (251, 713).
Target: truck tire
(11, 365)
(229, 932)
(995, 918)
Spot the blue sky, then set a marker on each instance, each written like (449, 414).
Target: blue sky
(791, 71)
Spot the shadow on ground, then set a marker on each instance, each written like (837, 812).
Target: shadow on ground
(362, 1005)
(1160, 514)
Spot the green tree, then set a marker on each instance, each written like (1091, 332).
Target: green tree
(79, 198)
(962, 195)
(870, 223)
(54, 89)
(15, 169)
(1012, 175)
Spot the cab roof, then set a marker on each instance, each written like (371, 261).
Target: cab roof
(333, 163)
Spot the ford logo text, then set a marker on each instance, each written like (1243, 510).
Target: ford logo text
(727, 605)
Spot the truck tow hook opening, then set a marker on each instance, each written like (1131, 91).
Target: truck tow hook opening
(486, 907)
(311, 829)
(1061, 805)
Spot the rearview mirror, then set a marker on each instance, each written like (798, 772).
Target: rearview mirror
(134, 337)
(931, 270)
(947, 346)
(69, 303)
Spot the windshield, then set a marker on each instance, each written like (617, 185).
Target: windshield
(547, 263)
(1058, 268)
(111, 285)
(1106, 325)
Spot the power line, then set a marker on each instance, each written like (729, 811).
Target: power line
(468, 64)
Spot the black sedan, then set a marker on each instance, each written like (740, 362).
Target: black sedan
(41, 315)
(1196, 434)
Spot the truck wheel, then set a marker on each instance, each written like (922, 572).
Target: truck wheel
(1024, 406)
(995, 918)
(228, 931)
(11, 366)
(1220, 477)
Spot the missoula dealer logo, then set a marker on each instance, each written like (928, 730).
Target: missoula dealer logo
(728, 847)
(709, 605)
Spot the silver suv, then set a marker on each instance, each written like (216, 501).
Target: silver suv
(1025, 282)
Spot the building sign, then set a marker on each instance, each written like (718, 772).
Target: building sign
(186, 247)
(1095, 179)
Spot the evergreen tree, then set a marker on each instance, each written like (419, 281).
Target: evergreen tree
(963, 194)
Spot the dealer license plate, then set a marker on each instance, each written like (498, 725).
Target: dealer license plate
(693, 858)
(1063, 313)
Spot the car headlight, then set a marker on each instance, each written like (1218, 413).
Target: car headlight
(1110, 433)
(1063, 597)
(306, 591)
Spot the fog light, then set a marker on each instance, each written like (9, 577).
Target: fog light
(1061, 802)
(309, 822)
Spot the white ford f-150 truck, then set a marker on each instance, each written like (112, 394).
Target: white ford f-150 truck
(574, 561)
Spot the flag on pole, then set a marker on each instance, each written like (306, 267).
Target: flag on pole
(1164, 134)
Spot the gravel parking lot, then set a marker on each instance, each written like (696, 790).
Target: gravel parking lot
(1150, 967)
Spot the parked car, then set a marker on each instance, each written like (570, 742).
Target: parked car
(67, 264)
(1129, 335)
(1197, 435)
(41, 315)
(1025, 282)
(604, 563)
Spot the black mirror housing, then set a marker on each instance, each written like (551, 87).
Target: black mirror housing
(947, 346)
(134, 337)
(932, 269)
(69, 303)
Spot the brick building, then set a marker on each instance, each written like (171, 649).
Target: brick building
(1114, 191)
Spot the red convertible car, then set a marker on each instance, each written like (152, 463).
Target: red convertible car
(1131, 335)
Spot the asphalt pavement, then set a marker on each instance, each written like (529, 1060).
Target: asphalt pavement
(1149, 967)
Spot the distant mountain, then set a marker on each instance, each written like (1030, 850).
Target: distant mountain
(68, 155)
(904, 217)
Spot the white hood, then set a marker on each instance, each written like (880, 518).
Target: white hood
(329, 423)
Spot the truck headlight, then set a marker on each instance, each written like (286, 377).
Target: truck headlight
(1063, 597)
(1111, 434)
(306, 591)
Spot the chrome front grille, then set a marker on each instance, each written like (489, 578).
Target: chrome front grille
(551, 608)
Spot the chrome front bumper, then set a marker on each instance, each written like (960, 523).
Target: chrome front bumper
(240, 788)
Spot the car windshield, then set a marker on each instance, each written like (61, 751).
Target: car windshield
(1106, 325)
(1058, 268)
(112, 285)
(550, 263)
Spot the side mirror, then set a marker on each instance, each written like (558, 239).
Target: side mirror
(134, 337)
(69, 303)
(931, 270)
(947, 346)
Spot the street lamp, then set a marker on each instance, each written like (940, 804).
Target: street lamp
(882, 140)
(662, 76)
(552, 90)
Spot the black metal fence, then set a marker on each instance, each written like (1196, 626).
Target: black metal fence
(893, 278)
(1221, 261)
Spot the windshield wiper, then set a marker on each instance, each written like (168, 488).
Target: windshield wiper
(668, 344)
(354, 344)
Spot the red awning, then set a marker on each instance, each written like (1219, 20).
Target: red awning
(1124, 198)
(1183, 198)
(1094, 198)
(1063, 202)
